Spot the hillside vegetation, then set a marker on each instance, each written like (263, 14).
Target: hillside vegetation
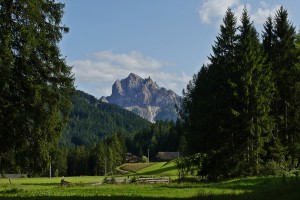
(91, 120)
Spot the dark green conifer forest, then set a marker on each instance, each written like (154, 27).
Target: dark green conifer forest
(241, 111)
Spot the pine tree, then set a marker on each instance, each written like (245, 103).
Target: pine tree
(268, 40)
(208, 104)
(35, 81)
(283, 59)
(283, 46)
(102, 158)
(294, 149)
(254, 88)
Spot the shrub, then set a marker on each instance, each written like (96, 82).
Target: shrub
(144, 159)
(273, 168)
(133, 180)
(13, 191)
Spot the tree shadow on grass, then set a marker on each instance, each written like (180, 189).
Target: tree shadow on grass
(112, 198)
(264, 188)
(41, 184)
(287, 192)
(246, 189)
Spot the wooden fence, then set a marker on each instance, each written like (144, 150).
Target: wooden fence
(138, 180)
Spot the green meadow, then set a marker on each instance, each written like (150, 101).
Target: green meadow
(92, 187)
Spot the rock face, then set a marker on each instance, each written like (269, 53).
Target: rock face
(145, 98)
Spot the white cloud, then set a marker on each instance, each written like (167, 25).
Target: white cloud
(132, 60)
(263, 12)
(98, 71)
(215, 9)
(174, 81)
(212, 11)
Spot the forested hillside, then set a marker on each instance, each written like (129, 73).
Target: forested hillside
(91, 120)
(110, 151)
(99, 135)
(93, 142)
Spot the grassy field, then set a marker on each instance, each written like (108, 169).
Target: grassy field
(88, 188)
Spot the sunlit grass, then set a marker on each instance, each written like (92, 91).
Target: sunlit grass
(160, 169)
(264, 188)
(80, 186)
(151, 169)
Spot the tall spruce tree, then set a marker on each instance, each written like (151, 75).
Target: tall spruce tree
(294, 141)
(296, 146)
(35, 83)
(221, 131)
(253, 91)
(207, 103)
(268, 40)
(283, 59)
(274, 148)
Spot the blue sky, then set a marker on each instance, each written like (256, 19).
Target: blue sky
(168, 40)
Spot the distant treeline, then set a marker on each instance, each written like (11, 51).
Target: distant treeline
(104, 156)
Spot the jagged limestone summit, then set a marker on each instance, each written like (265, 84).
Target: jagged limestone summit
(145, 98)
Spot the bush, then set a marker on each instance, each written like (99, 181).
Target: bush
(109, 180)
(144, 159)
(23, 176)
(273, 168)
(13, 191)
(133, 180)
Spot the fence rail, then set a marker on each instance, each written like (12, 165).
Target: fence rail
(138, 180)
(154, 180)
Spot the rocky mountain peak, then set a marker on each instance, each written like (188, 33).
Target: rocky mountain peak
(144, 97)
(133, 76)
(132, 81)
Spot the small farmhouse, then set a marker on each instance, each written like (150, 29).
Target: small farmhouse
(130, 158)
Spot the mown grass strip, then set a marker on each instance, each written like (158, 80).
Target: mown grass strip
(160, 169)
(134, 167)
